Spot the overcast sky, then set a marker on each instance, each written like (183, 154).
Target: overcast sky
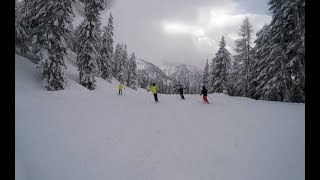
(182, 31)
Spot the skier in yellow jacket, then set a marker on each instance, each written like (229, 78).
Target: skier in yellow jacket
(120, 87)
(154, 89)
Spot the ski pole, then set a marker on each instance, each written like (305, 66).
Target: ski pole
(201, 99)
(210, 98)
(145, 99)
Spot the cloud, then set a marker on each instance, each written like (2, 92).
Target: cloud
(180, 31)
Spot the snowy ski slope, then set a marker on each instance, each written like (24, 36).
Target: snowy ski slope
(78, 134)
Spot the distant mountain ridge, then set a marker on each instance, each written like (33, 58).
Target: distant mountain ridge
(187, 75)
(168, 76)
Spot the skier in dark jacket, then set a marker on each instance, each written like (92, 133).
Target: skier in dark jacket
(180, 89)
(204, 92)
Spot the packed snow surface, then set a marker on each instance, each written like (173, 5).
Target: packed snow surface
(78, 134)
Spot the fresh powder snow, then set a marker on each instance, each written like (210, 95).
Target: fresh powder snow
(78, 134)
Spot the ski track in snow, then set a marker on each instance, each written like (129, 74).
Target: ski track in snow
(77, 134)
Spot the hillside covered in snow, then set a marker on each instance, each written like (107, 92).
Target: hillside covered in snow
(78, 134)
(149, 73)
(189, 76)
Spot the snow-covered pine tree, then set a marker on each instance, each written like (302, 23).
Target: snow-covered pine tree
(21, 38)
(27, 5)
(220, 69)
(259, 76)
(232, 78)
(132, 72)
(252, 74)
(297, 53)
(107, 51)
(287, 74)
(211, 76)
(88, 57)
(98, 44)
(116, 60)
(70, 38)
(79, 40)
(294, 15)
(278, 80)
(88, 66)
(34, 26)
(243, 60)
(98, 47)
(205, 78)
(79, 31)
(49, 29)
(122, 66)
(134, 80)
